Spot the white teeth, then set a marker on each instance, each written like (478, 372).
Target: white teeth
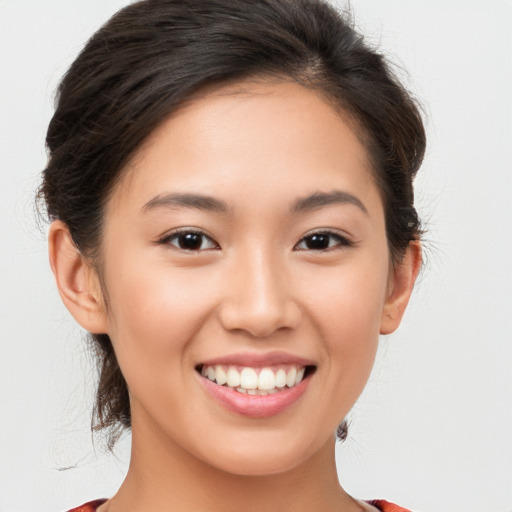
(266, 379)
(220, 375)
(299, 376)
(249, 380)
(233, 378)
(290, 377)
(280, 378)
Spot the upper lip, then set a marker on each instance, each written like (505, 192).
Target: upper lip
(259, 359)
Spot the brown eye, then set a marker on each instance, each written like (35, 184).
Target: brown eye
(191, 241)
(317, 241)
(321, 242)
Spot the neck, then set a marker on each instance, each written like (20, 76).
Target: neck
(162, 476)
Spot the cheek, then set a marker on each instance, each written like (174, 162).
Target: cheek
(349, 301)
(347, 309)
(153, 315)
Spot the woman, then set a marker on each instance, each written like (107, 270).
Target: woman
(230, 189)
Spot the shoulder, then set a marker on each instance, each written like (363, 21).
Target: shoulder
(88, 507)
(386, 506)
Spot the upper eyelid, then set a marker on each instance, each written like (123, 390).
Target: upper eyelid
(326, 231)
(185, 229)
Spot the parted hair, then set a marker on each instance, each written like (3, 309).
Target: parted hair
(154, 55)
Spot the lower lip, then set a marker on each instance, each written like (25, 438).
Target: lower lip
(255, 406)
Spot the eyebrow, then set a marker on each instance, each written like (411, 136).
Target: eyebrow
(320, 199)
(208, 203)
(198, 201)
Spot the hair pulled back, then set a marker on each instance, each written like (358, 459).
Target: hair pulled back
(155, 54)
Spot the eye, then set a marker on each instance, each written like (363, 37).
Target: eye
(322, 241)
(189, 240)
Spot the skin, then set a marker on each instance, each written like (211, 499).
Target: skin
(253, 286)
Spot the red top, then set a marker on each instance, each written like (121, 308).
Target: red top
(382, 505)
(88, 507)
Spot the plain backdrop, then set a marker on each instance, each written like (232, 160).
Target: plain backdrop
(433, 430)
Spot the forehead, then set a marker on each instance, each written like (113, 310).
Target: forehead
(237, 137)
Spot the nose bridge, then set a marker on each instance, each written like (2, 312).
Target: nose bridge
(259, 298)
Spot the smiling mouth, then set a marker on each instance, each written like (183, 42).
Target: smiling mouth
(266, 380)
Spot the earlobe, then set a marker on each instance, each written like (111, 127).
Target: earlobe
(400, 288)
(77, 281)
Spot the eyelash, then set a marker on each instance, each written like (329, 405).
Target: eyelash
(340, 241)
(167, 240)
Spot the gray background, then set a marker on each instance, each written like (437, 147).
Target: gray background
(433, 430)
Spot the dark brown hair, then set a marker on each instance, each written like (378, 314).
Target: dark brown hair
(155, 54)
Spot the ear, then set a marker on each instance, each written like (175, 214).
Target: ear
(77, 280)
(401, 284)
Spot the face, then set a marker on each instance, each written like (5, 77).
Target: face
(245, 269)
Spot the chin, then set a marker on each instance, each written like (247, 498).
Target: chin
(259, 466)
(262, 455)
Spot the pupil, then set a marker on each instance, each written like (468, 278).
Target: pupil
(318, 242)
(190, 241)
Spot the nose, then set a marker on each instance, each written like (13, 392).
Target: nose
(259, 298)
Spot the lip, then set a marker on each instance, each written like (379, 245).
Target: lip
(257, 360)
(254, 406)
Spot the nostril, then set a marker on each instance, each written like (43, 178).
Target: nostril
(259, 315)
